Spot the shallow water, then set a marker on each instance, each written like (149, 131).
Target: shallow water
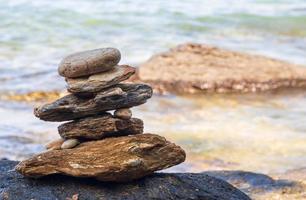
(263, 133)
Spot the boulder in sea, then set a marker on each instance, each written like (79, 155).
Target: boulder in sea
(72, 107)
(89, 62)
(100, 126)
(196, 68)
(100, 81)
(117, 159)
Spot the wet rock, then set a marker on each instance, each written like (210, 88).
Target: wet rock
(70, 143)
(99, 127)
(123, 113)
(261, 186)
(119, 159)
(98, 82)
(89, 62)
(72, 107)
(55, 144)
(195, 68)
(163, 186)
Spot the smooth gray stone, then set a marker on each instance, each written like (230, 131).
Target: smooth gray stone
(73, 107)
(70, 143)
(97, 82)
(89, 62)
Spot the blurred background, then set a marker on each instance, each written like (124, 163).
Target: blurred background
(263, 133)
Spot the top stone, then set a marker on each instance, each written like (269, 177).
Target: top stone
(89, 62)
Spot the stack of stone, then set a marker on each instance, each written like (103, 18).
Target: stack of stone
(95, 143)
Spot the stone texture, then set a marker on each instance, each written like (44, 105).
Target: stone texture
(72, 107)
(55, 144)
(162, 186)
(119, 159)
(100, 81)
(70, 143)
(123, 113)
(89, 62)
(260, 186)
(194, 68)
(99, 127)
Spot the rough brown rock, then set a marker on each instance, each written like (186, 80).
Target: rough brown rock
(89, 62)
(72, 107)
(193, 68)
(97, 82)
(99, 127)
(118, 159)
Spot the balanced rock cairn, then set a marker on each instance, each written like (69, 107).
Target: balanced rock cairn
(95, 143)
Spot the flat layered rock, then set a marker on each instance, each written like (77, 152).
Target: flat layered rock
(99, 127)
(73, 107)
(118, 159)
(97, 82)
(162, 186)
(194, 68)
(89, 62)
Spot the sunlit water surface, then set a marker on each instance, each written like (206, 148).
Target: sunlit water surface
(263, 133)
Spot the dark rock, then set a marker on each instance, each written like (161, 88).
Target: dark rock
(100, 81)
(89, 62)
(72, 107)
(99, 127)
(162, 186)
(261, 186)
(116, 159)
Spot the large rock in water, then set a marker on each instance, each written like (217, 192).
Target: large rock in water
(194, 68)
(97, 82)
(162, 186)
(73, 107)
(89, 62)
(119, 159)
(99, 127)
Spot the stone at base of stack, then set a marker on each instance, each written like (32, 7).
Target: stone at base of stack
(96, 143)
(117, 159)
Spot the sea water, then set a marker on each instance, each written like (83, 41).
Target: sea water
(263, 133)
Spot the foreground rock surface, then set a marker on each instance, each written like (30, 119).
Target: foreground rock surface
(72, 107)
(263, 187)
(99, 127)
(156, 186)
(117, 159)
(194, 68)
(98, 82)
(89, 62)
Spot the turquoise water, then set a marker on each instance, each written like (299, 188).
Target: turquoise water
(36, 34)
(257, 132)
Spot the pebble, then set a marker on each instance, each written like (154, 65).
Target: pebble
(70, 143)
(55, 144)
(123, 113)
(90, 62)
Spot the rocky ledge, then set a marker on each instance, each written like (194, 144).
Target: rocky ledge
(156, 186)
(196, 68)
